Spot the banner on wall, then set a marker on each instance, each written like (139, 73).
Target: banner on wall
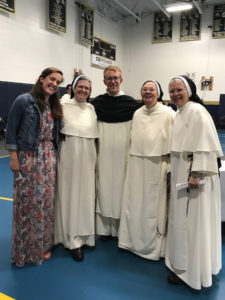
(101, 62)
(57, 15)
(8, 6)
(162, 32)
(103, 54)
(219, 21)
(87, 24)
(190, 23)
(104, 49)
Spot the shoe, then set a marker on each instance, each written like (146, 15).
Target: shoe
(105, 237)
(77, 254)
(174, 280)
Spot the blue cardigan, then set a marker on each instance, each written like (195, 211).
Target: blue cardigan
(23, 125)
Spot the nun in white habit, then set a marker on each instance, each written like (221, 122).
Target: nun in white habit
(75, 199)
(193, 250)
(144, 206)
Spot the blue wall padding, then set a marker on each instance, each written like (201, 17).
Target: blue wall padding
(221, 109)
(10, 90)
(8, 93)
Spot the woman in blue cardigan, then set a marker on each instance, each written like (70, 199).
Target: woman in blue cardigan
(32, 138)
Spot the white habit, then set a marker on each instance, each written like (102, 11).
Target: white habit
(114, 142)
(75, 198)
(193, 250)
(65, 98)
(144, 205)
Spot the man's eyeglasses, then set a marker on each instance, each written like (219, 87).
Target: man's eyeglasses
(115, 78)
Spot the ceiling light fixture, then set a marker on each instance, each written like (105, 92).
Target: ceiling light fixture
(178, 6)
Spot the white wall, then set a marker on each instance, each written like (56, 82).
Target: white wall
(144, 60)
(27, 46)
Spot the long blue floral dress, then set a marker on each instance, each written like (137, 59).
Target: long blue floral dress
(33, 206)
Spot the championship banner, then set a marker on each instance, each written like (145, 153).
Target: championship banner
(87, 24)
(103, 54)
(190, 25)
(8, 6)
(219, 21)
(57, 15)
(162, 32)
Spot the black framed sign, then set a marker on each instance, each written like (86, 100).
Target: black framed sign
(87, 24)
(103, 54)
(219, 21)
(162, 32)
(57, 15)
(8, 6)
(104, 49)
(190, 23)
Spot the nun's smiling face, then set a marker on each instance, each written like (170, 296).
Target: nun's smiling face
(82, 90)
(178, 92)
(149, 94)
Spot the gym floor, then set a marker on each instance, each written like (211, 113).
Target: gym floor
(106, 273)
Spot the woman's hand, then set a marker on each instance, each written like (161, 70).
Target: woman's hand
(14, 162)
(194, 180)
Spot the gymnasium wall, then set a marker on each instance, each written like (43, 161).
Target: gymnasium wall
(27, 46)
